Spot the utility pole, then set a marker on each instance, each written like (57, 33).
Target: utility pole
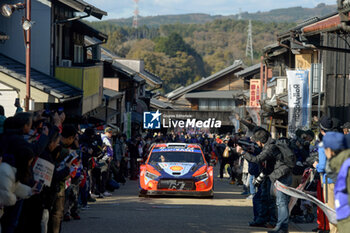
(249, 52)
(135, 22)
(28, 43)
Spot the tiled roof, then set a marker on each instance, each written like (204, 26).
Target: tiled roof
(251, 69)
(43, 82)
(83, 6)
(236, 65)
(152, 77)
(111, 93)
(160, 104)
(214, 94)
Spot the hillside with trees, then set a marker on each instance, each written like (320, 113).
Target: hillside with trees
(292, 14)
(183, 53)
(182, 49)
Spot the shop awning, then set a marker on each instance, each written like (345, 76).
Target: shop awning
(45, 83)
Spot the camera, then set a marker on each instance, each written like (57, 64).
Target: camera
(258, 180)
(249, 146)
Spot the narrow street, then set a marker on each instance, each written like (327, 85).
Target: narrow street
(228, 211)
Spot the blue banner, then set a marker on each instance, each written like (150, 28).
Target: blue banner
(298, 100)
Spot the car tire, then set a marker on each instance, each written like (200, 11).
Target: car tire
(143, 193)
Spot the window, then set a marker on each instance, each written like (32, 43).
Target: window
(224, 104)
(203, 104)
(216, 104)
(213, 104)
(78, 54)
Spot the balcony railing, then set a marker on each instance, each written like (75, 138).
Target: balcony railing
(88, 79)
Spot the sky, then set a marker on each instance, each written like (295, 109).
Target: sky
(125, 8)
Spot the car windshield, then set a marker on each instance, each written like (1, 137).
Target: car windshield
(183, 157)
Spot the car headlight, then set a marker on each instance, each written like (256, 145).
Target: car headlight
(151, 175)
(202, 176)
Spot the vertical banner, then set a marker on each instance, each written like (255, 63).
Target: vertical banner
(127, 124)
(298, 100)
(254, 103)
(255, 88)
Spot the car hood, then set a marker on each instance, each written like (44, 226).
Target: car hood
(176, 169)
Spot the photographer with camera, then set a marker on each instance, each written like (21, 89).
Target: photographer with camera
(279, 170)
(263, 204)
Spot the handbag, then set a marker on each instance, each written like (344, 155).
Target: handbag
(226, 153)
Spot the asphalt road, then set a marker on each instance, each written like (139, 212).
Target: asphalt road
(125, 212)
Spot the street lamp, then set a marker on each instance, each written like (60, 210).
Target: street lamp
(7, 10)
(27, 25)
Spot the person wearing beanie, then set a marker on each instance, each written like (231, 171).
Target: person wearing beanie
(346, 128)
(335, 147)
(15, 171)
(333, 143)
(325, 125)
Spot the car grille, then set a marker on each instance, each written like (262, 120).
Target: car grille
(176, 184)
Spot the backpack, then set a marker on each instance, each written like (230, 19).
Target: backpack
(287, 154)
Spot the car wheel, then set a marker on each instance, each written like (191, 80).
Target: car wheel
(143, 193)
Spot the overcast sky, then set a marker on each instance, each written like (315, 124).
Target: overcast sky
(125, 8)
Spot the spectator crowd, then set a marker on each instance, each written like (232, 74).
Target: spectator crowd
(314, 161)
(50, 170)
(87, 164)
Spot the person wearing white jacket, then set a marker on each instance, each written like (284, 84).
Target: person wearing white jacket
(14, 168)
(10, 190)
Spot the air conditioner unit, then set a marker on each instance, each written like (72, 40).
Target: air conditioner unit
(281, 85)
(66, 63)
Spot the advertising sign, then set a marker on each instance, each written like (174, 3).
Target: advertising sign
(298, 99)
(43, 170)
(255, 88)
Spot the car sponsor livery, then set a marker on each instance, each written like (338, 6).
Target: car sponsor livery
(176, 169)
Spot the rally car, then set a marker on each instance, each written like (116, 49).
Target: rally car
(176, 169)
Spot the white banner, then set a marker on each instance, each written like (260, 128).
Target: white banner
(298, 100)
(330, 213)
(43, 170)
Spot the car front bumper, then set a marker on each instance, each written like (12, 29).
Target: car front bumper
(209, 193)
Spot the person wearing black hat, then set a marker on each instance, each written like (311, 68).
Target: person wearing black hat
(276, 169)
(346, 128)
(326, 125)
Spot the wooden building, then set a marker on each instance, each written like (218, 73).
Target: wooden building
(218, 96)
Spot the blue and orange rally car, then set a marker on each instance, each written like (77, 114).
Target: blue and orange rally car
(176, 169)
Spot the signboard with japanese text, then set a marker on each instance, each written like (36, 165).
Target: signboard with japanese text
(255, 89)
(43, 170)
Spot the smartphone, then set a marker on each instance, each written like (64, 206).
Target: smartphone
(17, 102)
(60, 110)
(39, 186)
